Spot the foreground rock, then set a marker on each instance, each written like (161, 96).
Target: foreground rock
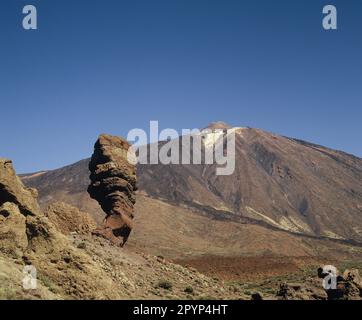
(28, 237)
(12, 190)
(22, 223)
(311, 290)
(18, 211)
(113, 185)
(72, 264)
(68, 219)
(13, 239)
(348, 287)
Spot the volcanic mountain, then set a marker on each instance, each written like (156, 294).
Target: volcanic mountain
(286, 197)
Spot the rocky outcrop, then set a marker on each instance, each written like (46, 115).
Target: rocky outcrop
(310, 290)
(68, 219)
(13, 239)
(113, 185)
(28, 237)
(17, 205)
(24, 229)
(348, 287)
(12, 190)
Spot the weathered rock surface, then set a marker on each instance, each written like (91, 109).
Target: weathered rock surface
(68, 219)
(311, 290)
(349, 287)
(24, 229)
(12, 190)
(13, 237)
(113, 185)
(353, 276)
(18, 204)
(28, 237)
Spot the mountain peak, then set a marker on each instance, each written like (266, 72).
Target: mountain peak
(218, 125)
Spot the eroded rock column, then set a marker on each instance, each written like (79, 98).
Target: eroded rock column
(113, 185)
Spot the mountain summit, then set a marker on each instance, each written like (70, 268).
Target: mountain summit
(280, 184)
(218, 125)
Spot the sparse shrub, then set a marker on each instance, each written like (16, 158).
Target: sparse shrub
(8, 294)
(155, 292)
(189, 290)
(82, 245)
(271, 291)
(164, 284)
(47, 282)
(234, 289)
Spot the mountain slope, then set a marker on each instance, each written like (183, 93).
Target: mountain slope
(289, 184)
(279, 183)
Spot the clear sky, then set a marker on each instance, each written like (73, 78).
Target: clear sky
(112, 65)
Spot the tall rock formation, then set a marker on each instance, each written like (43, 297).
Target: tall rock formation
(18, 209)
(24, 229)
(13, 191)
(113, 185)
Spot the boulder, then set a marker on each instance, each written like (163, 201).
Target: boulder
(348, 287)
(17, 204)
(12, 190)
(13, 238)
(310, 290)
(113, 185)
(257, 296)
(23, 226)
(68, 219)
(354, 277)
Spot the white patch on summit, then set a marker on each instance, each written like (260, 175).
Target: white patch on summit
(210, 139)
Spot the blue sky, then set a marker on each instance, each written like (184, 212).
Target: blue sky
(111, 65)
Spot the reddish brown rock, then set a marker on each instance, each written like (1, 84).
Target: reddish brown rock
(113, 185)
(12, 190)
